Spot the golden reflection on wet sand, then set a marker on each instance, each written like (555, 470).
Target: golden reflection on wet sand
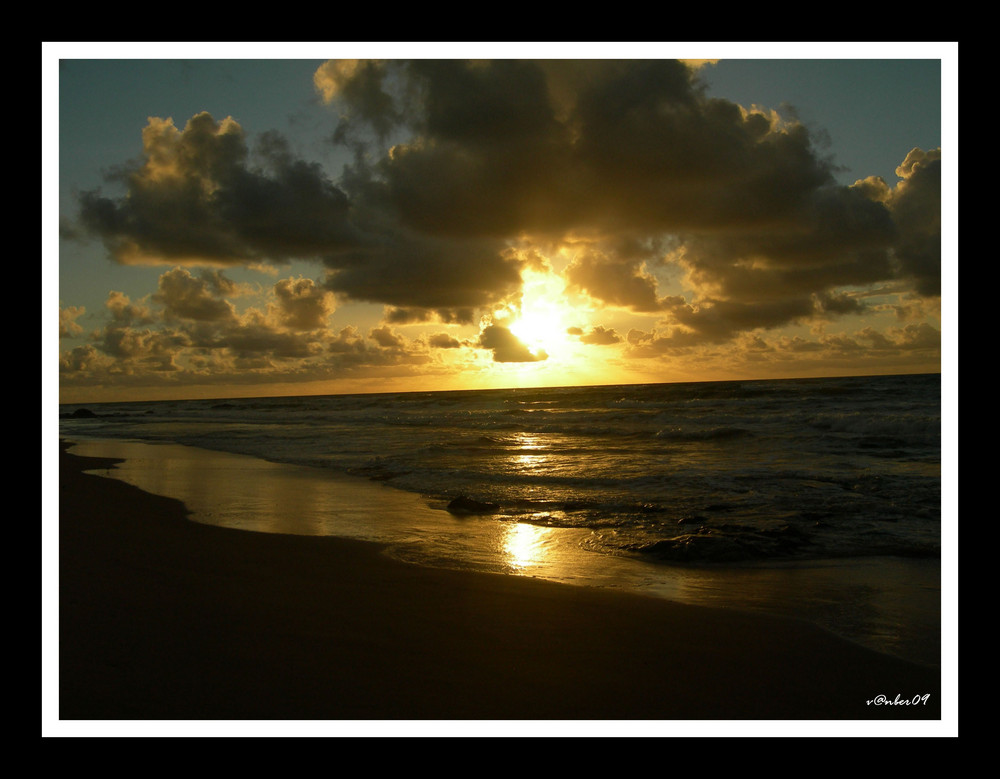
(525, 547)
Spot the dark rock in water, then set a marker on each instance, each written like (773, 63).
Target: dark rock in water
(464, 505)
(698, 547)
(82, 413)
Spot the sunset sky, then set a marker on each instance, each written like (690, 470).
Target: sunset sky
(366, 219)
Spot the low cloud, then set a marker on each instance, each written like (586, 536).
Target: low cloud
(447, 316)
(506, 346)
(67, 321)
(597, 335)
(386, 338)
(184, 296)
(443, 341)
(188, 328)
(303, 304)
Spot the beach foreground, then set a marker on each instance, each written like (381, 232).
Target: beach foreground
(165, 619)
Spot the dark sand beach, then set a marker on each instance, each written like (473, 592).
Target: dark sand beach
(161, 618)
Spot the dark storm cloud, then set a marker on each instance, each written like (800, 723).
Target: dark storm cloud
(447, 316)
(618, 151)
(916, 209)
(777, 275)
(835, 236)
(501, 147)
(361, 83)
(663, 158)
(457, 161)
(620, 281)
(716, 321)
(411, 271)
(199, 197)
(196, 197)
(488, 157)
(839, 304)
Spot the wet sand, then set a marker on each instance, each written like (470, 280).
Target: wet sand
(162, 618)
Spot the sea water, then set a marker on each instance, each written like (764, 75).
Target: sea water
(814, 497)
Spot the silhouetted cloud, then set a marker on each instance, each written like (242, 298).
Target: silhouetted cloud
(626, 149)
(615, 280)
(443, 341)
(303, 304)
(196, 197)
(185, 296)
(506, 346)
(597, 335)
(448, 316)
(916, 210)
(491, 151)
(723, 222)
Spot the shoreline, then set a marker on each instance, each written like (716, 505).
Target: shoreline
(167, 619)
(888, 604)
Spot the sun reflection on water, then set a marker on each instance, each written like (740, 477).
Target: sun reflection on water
(530, 441)
(532, 452)
(525, 546)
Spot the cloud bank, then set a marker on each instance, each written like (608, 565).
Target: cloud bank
(721, 222)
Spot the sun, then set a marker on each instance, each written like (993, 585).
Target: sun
(543, 318)
(540, 327)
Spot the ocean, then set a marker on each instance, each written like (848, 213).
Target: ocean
(813, 498)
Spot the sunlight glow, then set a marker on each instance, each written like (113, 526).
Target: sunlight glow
(544, 316)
